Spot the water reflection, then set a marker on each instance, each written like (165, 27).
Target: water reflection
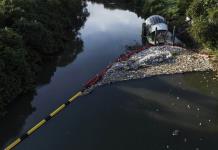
(152, 114)
(100, 23)
(105, 26)
(99, 43)
(61, 60)
(12, 124)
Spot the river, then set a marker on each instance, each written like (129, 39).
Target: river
(167, 112)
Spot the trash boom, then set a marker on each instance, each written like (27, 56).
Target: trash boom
(89, 83)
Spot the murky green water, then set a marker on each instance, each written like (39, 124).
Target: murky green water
(178, 112)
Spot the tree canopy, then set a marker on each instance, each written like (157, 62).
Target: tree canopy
(31, 30)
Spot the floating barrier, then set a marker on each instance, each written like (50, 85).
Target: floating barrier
(97, 78)
(43, 122)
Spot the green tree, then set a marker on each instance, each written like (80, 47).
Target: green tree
(204, 28)
(31, 31)
(15, 73)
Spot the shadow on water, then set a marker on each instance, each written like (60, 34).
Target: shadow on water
(184, 107)
(157, 113)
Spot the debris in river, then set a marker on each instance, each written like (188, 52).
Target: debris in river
(175, 133)
(150, 61)
(188, 106)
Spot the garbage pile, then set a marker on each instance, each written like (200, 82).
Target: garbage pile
(147, 58)
(151, 61)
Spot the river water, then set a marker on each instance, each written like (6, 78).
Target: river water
(178, 112)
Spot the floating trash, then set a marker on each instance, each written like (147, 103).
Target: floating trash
(175, 133)
(157, 110)
(150, 61)
(188, 106)
(173, 104)
(167, 146)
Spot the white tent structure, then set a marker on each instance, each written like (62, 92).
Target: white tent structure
(155, 29)
(156, 22)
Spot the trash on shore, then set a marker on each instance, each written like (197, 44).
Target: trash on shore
(151, 61)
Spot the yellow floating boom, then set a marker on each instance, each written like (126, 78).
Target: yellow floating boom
(42, 122)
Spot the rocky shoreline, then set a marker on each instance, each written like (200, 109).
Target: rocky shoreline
(157, 60)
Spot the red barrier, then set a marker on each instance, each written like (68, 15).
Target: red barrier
(93, 81)
(97, 78)
(128, 54)
(122, 57)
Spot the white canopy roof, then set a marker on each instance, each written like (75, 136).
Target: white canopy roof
(159, 26)
(154, 22)
(155, 19)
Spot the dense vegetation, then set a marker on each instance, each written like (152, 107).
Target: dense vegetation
(204, 15)
(30, 32)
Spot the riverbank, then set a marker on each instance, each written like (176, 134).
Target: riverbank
(154, 61)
